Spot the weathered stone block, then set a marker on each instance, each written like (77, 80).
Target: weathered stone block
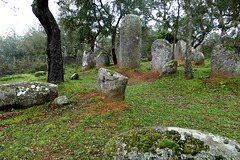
(102, 60)
(111, 85)
(166, 143)
(88, 61)
(225, 62)
(27, 93)
(161, 54)
(130, 42)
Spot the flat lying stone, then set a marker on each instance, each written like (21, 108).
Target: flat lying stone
(27, 93)
(169, 143)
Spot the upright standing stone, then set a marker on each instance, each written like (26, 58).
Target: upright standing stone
(225, 61)
(161, 54)
(180, 49)
(88, 60)
(102, 60)
(130, 42)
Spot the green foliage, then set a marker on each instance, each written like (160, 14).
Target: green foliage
(165, 35)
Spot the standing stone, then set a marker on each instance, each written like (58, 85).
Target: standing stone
(27, 93)
(225, 62)
(111, 85)
(88, 60)
(161, 54)
(130, 42)
(180, 49)
(102, 60)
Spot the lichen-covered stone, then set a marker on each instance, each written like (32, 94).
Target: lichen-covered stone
(111, 85)
(88, 60)
(40, 73)
(130, 42)
(169, 143)
(62, 100)
(169, 68)
(161, 54)
(102, 60)
(27, 93)
(75, 76)
(225, 62)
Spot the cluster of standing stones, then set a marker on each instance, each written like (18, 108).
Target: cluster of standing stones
(152, 142)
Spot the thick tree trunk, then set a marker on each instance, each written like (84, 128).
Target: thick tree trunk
(54, 55)
(188, 65)
(113, 47)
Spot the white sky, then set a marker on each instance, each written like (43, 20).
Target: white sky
(18, 15)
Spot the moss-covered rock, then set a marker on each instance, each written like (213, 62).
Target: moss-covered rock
(164, 143)
(169, 68)
(40, 73)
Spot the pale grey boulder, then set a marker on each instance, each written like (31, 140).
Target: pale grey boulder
(88, 61)
(169, 68)
(169, 143)
(130, 42)
(102, 60)
(225, 62)
(27, 93)
(161, 54)
(111, 85)
(62, 100)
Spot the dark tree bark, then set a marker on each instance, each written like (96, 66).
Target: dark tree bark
(54, 55)
(188, 65)
(113, 47)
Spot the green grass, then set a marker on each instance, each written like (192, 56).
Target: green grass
(81, 129)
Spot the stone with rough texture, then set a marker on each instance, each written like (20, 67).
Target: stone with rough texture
(27, 93)
(111, 85)
(60, 101)
(180, 49)
(198, 57)
(168, 143)
(161, 54)
(40, 73)
(169, 68)
(130, 42)
(88, 60)
(225, 62)
(75, 76)
(102, 60)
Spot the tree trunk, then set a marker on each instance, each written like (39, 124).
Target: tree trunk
(113, 48)
(54, 55)
(188, 65)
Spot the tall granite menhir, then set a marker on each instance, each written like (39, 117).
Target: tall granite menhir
(130, 42)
